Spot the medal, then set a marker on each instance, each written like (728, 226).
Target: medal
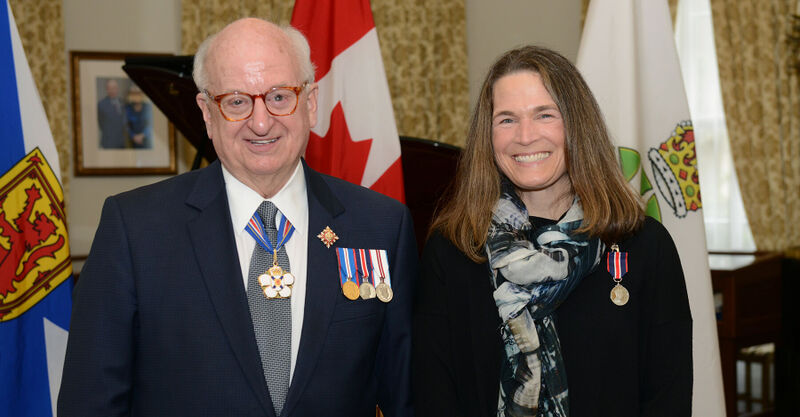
(327, 237)
(380, 268)
(617, 265)
(384, 292)
(347, 272)
(619, 295)
(350, 290)
(366, 289)
(366, 266)
(275, 283)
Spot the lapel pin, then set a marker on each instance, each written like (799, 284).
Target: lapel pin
(327, 236)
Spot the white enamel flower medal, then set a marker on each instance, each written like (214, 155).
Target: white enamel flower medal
(275, 283)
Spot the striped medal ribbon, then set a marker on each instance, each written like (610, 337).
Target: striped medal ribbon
(276, 283)
(617, 265)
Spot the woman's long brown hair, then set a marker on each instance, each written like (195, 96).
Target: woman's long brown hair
(612, 210)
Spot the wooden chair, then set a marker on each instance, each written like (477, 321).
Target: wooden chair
(428, 169)
(764, 356)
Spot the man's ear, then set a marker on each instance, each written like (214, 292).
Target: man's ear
(313, 93)
(201, 98)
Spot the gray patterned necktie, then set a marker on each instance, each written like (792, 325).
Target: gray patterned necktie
(272, 319)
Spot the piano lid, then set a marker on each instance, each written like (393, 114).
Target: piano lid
(167, 80)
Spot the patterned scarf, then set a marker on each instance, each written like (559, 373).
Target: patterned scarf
(533, 271)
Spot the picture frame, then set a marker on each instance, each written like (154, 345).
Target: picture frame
(117, 129)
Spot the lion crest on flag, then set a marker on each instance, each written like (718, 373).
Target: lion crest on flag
(34, 254)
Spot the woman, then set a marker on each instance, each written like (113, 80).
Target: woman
(139, 119)
(517, 311)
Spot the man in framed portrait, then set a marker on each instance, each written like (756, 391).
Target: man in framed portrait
(111, 117)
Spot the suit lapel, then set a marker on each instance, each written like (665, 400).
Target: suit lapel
(211, 233)
(322, 286)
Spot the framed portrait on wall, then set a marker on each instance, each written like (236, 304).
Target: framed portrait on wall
(117, 129)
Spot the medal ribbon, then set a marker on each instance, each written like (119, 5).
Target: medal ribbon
(354, 265)
(617, 264)
(364, 260)
(256, 229)
(347, 264)
(378, 257)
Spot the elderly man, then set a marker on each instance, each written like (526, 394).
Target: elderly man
(111, 117)
(229, 291)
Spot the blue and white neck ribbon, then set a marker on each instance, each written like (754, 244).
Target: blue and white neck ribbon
(256, 229)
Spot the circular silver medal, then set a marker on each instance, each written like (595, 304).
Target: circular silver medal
(384, 292)
(367, 290)
(619, 295)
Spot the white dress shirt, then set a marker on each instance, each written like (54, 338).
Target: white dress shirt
(292, 201)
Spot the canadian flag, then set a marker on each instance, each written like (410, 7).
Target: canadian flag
(355, 137)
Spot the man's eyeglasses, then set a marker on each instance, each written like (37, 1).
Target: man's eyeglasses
(236, 106)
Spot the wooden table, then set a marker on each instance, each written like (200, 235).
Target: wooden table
(750, 313)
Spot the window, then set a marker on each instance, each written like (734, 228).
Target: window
(726, 223)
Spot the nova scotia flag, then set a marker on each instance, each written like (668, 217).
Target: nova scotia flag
(35, 268)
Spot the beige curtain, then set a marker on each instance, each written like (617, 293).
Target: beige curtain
(424, 51)
(201, 18)
(762, 105)
(41, 29)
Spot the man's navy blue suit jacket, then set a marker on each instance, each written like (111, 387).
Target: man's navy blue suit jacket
(161, 325)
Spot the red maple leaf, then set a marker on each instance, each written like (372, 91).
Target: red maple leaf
(336, 153)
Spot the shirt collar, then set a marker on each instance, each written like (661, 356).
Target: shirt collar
(291, 200)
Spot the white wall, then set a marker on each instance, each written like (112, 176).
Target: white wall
(154, 26)
(494, 27)
(113, 26)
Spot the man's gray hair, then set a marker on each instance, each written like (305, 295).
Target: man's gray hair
(297, 40)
